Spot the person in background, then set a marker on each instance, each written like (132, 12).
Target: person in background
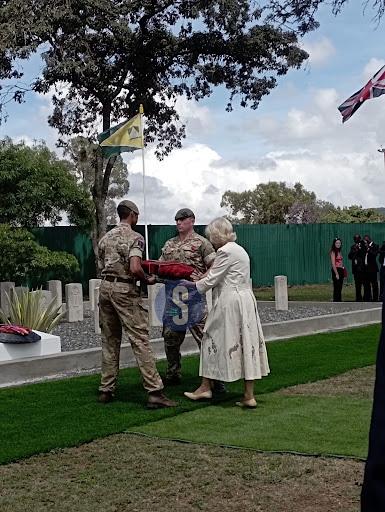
(233, 345)
(373, 487)
(370, 270)
(338, 271)
(357, 257)
(381, 259)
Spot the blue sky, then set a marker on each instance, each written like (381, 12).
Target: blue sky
(295, 135)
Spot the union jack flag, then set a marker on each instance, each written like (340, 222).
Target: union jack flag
(374, 88)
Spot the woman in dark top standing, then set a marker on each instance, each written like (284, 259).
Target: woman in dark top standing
(338, 272)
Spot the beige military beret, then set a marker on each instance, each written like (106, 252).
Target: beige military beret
(129, 204)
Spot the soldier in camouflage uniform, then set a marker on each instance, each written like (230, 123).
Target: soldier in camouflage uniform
(121, 309)
(193, 249)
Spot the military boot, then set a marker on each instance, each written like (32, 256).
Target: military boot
(157, 400)
(105, 397)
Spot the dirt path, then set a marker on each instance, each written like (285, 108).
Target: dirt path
(127, 473)
(358, 383)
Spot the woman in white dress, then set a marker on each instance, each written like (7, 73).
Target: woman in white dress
(233, 346)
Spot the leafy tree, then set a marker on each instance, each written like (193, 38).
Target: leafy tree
(83, 155)
(268, 203)
(353, 214)
(278, 203)
(24, 261)
(35, 186)
(311, 212)
(112, 55)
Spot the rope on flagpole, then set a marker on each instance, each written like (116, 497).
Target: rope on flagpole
(141, 112)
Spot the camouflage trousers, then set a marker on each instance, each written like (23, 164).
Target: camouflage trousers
(172, 343)
(121, 312)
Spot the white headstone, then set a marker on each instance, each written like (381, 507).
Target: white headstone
(49, 344)
(96, 310)
(55, 287)
(45, 298)
(156, 303)
(74, 302)
(93, 283)
(20, 290)
(281, 297)
(5, 289)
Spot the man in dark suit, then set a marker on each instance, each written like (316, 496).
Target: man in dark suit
(357, 257)
(370, 270)
(373, 488)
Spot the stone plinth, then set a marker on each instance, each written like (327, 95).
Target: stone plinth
(49, 344)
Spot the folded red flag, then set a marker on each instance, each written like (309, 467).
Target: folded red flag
(168, 269)
(151, 266)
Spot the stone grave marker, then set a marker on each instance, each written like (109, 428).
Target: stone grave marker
(74, 302)
(93, 283)
(281, 296)
(5, 289)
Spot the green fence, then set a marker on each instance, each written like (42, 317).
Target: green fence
(298, 251)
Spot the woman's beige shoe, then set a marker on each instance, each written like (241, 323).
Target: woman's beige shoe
(247, 404)
(205, 395)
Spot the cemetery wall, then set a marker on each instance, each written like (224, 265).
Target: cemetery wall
(299, 252)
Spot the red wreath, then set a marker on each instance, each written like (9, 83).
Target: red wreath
(14, 329)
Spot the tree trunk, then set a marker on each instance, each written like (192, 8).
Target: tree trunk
(100, 189)
(99, 200)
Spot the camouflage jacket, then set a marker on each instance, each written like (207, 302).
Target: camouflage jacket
(116, 248)
(195, 250)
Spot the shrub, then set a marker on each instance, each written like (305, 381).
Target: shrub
(24, 261)
(28, 311)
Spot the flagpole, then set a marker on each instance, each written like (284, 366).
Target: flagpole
(141, 112)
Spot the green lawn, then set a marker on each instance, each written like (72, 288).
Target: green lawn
(304, 424)
(42, 417)
(308, 292)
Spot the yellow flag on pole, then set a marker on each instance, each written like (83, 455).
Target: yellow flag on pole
(126, 136)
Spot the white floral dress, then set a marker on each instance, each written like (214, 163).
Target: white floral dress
(233, 346)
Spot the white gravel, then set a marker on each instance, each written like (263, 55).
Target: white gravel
(81, 335)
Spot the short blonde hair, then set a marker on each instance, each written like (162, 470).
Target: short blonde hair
(220, 231)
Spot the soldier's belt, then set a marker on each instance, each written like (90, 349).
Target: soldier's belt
(113, 279)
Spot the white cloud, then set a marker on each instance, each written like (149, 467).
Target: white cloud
(197, 118)
(308, 144)
(197, 177)
(371, 68)
(26, 139)
(320, 51)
